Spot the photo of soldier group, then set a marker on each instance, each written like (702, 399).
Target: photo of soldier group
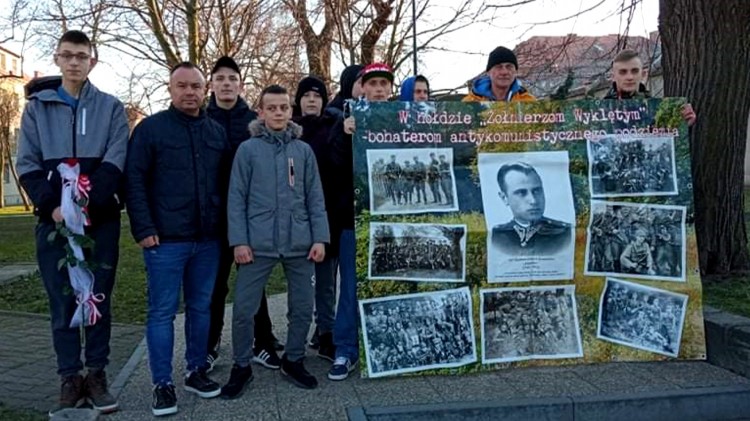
(529, 323)
(637, 240)
(641, 317)
(416, 332)
(417, 252)
(632, 166)
(404, 181)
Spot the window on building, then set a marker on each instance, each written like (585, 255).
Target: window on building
(2, 62)
(14, 68)
(6, 173)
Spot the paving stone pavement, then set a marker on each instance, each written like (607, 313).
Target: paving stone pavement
(269, 397)
(28, 366)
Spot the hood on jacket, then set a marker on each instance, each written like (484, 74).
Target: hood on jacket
(258, 128)
(47, 90)
(482, 86)
(407, 89)
(348, 77)
(41, 83)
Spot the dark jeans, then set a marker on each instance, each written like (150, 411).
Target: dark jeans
(263, 327)
(62, 300)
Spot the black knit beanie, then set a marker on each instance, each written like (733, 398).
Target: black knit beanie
(311, 83)
(501, 55)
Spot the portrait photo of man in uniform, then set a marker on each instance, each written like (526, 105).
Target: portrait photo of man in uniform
(523, 231)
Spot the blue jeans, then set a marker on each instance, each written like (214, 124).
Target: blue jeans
(345, 336)
(170, 266)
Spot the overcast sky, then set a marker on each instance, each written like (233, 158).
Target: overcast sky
(452, 69)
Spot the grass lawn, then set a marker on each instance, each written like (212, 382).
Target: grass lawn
(14, 210)
(19, 415)
(129, 296)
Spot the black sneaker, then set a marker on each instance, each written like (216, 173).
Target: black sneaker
(71, 393)
(199, 383)
(238, 379)
(327, 350)
(165, 400)
(296, 373)
(267, 358)
(211, 358)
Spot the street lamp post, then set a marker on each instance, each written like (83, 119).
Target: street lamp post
(414, 33)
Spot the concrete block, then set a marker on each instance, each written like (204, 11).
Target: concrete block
(713, 403)
(560, 409)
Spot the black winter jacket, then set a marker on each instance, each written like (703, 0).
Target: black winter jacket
(175, 178)
(234, 121)
(342, 167)
(316, 131)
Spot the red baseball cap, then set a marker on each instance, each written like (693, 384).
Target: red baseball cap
(376, 70)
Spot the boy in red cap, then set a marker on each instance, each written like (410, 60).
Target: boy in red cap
(377, 84)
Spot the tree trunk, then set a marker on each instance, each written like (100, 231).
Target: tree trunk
(706, 56)
(318, 47)
(14, 174)
(383, 9)
(3, 137)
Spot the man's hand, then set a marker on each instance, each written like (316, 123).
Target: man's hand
(349, 125)
(688, 114)
(148, 242)
(243, 255)
(57, 215)
(317, 252)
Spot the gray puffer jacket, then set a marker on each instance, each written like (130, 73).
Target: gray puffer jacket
(276, 203)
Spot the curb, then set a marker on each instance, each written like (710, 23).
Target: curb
(118, 384)
(725, 403)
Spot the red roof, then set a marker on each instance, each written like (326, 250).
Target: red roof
(543, 61)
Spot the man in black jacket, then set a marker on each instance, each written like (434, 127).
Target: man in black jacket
(174, 198)
(309, 102)
(227, 108)
(627, 82)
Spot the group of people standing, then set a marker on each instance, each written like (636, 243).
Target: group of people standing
(406, 185)
(206, 189)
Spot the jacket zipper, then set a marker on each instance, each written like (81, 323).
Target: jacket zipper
(73, 123)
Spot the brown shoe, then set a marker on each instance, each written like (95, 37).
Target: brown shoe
(71, 393)
(96, 392)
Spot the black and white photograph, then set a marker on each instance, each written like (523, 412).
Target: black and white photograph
(643, 241)
(404, 181)
(417, 252)
(415, 332)
(530, 216)
(529, 323)
(622, 165)
(641, 317)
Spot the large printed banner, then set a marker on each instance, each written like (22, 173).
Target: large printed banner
(492, 235)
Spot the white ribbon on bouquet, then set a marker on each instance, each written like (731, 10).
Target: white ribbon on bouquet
(75, 193)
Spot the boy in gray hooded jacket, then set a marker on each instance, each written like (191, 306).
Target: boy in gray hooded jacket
(276, 213)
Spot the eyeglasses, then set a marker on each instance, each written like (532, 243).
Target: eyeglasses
(67, 57)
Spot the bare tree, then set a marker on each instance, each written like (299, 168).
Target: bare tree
(318, 46)
(9, 115)
(154, 35)
(373, 30)
(706, 54)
